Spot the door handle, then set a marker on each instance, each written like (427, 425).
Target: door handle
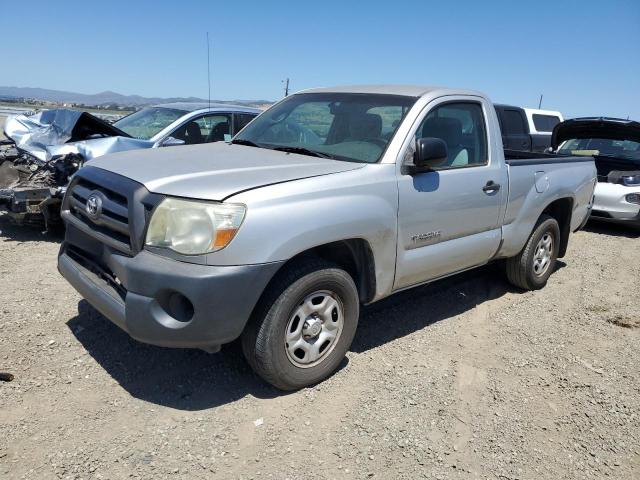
(491, 187)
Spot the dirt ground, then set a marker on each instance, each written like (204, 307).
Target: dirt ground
(464, 378)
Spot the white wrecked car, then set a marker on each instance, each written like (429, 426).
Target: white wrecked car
(615, 145)
(46, 148)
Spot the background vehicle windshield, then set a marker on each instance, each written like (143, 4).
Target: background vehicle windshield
(148, 121)
(344, 126)
(601, 146)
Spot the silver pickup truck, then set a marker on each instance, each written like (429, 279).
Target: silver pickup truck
(331, 199)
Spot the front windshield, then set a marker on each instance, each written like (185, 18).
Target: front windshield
(148, 122)
(623, 149)
(342, 126)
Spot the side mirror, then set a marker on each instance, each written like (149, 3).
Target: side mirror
(171, 142)
(430, 154)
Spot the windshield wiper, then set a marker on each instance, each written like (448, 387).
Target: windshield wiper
(302, 151)
(248, 143)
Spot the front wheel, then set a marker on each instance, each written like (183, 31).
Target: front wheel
(303, 326)
(533, 266)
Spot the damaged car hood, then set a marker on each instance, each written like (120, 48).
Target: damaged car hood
(615, 163)
(51, 133)
(216, 171)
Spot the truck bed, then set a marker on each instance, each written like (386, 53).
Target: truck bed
(516, 158)
(534, 179)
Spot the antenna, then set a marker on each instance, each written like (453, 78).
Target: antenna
(540, 102)
(286, 87)
(208, 71)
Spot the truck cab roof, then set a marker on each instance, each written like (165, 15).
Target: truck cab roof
(391, 89)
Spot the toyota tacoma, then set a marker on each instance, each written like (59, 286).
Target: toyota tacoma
(331, 199)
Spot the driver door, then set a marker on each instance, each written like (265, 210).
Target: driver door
(447, 220)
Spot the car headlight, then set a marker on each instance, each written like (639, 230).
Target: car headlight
(192, 227)
(630, 180)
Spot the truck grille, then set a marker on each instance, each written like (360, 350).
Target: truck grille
(110, 208)
(113, 219)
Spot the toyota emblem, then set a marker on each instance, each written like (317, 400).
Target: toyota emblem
(94, 205)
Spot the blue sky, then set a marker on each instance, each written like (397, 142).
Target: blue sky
(584, 56)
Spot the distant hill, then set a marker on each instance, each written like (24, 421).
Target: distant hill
(105, 98)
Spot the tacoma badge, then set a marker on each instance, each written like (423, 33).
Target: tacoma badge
(426, 237)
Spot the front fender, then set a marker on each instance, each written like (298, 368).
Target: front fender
(287, 219)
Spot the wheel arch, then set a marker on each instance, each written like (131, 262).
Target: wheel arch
(354, 255)
(561, 209)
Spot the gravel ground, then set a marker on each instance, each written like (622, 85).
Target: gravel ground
(465, 378)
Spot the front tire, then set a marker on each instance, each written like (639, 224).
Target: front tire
(303, 325)
(533, 266)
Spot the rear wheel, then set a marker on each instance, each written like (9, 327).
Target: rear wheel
(531, 268)
(303, 326)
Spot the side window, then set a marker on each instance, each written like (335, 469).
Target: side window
(240, 120)
(208, 128)
(462, 127)
(513, 123)
(214, 127)
(545, 123)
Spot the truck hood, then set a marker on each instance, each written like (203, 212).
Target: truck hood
(601, 127)
(215, 171)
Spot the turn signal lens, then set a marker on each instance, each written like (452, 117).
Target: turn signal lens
(223, 238)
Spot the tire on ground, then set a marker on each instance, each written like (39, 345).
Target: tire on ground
(263, 340)
(520, 269)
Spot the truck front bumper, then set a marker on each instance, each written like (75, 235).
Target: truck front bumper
(165, 302)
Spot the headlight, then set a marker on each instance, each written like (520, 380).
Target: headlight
(192, 227)
(630, 180)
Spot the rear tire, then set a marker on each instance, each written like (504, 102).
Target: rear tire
(303, 325)
(531, 268)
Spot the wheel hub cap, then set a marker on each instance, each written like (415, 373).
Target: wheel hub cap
(314, 328)
(543, 254)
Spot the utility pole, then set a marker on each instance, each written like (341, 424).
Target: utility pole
(540, 102)
(286, 87)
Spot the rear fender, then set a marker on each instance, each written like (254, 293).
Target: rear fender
(526, 202)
